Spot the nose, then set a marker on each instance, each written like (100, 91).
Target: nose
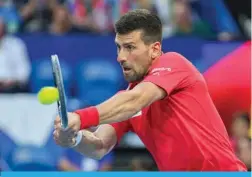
(122, 56)
(121, 60)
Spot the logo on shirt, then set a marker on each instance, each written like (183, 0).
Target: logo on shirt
(137, 114)
(156, 71)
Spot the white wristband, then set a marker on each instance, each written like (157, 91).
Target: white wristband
(77, 139)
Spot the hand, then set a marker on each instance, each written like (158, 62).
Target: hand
(66, 137)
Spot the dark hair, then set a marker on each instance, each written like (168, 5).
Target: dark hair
(141, 19)
(242, 115)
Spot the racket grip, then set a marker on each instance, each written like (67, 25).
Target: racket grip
(64, 120)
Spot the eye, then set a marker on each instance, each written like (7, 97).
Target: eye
(129, 47)
(118, 47)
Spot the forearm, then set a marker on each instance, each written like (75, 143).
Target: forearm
(118, 108)
(90, 145)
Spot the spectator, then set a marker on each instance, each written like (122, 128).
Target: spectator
(240, 137)
(61, 23)
(186, 25)
(35, 15)
(14, 62)
(90, 16)
(164, 10)
(146, 4)
(240, 126)
(244, 151)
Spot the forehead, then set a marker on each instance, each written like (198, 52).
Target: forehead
(132, 37)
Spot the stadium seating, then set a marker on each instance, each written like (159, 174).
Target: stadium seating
(97, 80)
(42, 75)
(31, 158)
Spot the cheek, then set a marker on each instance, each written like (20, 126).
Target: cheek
(139, 60)
(141, 66)
(131, 58)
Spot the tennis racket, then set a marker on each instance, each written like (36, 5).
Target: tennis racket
(58, 81)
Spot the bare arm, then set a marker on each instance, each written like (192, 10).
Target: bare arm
(117, 109)
(126, 104)
(97, 144)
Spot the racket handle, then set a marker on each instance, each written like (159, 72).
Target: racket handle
(64, 120)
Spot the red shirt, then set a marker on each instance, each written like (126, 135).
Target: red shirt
(184, 131)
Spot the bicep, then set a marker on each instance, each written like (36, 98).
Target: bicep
(148, 93)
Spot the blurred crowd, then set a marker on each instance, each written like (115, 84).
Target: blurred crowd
(180, 17)
(202, 18)
(241, 137)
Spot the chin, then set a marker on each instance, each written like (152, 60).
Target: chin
(128, 79)
(132, 79)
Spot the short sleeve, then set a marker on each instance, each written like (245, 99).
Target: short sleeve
(121, 128)
(172, 75)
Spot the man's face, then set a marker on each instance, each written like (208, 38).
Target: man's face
(240, 128)
(134, 56)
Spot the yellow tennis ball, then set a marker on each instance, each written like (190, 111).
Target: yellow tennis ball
(48, 95)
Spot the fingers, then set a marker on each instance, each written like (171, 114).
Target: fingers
(57, 123)
(62, 133)
(63, 140)
(73, 122)
(57, 120)
(65, 137)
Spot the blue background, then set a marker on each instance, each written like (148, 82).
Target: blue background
(76, 50)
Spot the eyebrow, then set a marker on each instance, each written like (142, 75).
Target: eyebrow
(127, 43)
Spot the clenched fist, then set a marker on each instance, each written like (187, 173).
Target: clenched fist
(66, 137)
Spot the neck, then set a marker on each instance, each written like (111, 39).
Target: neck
(154, 61)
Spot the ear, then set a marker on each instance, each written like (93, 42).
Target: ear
(155, 50)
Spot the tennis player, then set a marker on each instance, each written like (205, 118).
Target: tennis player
(167, 105)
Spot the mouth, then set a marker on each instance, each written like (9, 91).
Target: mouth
(126, 69)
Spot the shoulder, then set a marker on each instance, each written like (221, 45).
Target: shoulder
(172, 62)
(173, 59)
